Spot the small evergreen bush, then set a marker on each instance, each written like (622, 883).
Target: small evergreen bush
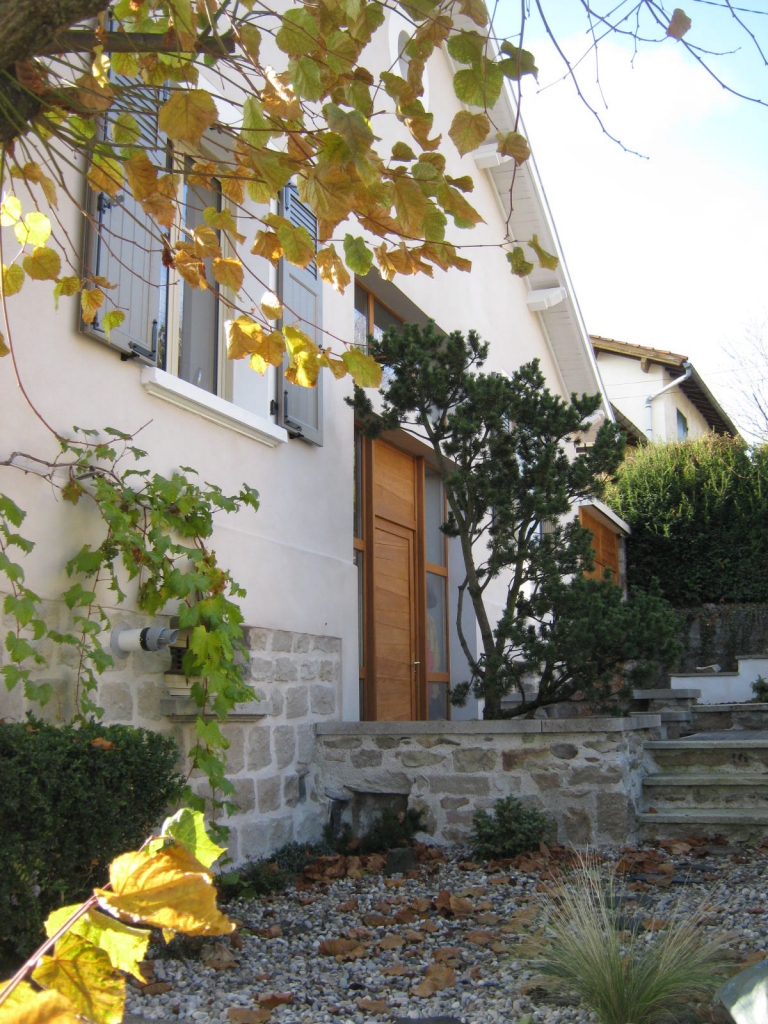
(390, 830)
(514, 827)
(71, 800)
(270, 874)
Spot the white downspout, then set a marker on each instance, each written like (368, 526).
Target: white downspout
(677, 381)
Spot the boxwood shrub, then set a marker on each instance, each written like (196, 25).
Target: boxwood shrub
(72, 799)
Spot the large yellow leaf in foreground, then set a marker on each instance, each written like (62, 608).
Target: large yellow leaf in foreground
(83, 973)
(169, 889)
(25, 1006)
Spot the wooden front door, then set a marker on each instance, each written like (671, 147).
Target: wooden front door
(394, 689)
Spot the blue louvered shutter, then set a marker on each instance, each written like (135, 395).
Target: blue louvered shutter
(301, 409)
(125, 247)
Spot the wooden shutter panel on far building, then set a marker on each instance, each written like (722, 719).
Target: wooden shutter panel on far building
(301, 409)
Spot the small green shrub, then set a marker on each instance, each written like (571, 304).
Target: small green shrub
(514, 827)
(270, 874)
(390, 830)
(71, 800)
(623, 975)
(760, 690)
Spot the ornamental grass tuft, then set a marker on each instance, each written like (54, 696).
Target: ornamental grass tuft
(627, 976)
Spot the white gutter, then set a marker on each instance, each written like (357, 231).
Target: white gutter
(663, 391)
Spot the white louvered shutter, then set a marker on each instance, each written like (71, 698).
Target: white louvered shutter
(125, 248)
(301, 409)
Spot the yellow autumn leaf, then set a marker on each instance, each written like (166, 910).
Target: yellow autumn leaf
(468, 130)
(100, 66)
(187, 114)
(337, 366)
(271, 306)
(43, 265)
(12, 280)
(93, 94)
(278, 98)
(298, 247)
(125, 130)
(206, 242)
(243, 337)
(91, 300)
(167, 889)
(267, 244)
(222, 220)
(26, 1006)
(272, 349)
(229, 272)
(84, 975)
(141, 174)
(105, 174)
(10, 211)
(332, 269)
(33, 172)
(4, 351)
(191, 268)
(233, 187)
(305, 369)
(363, 369)
(35, 229)
(297, 341)
(125, 946)
(258, 363)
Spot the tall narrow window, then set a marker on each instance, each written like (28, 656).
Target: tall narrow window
(682, 426)
(436, 596)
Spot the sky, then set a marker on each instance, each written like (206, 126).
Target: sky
(669, 251)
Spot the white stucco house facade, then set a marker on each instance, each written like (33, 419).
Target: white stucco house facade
(316, 605)
(657, 395)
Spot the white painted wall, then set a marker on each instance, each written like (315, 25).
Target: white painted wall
(628, 386)
(294, 557)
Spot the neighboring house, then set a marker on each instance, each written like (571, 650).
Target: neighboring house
(657, 395)
(351, 586)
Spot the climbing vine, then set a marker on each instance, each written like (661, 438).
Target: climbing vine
(155, 540)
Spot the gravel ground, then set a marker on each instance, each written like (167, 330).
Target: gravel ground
(398, 927)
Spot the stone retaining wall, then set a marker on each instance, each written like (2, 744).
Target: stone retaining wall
(585, 773)
(271, 759)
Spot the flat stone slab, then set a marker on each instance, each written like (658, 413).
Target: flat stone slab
(666, 694)
(745, 996)
(504, 727)
(427, 1020)
(750, 779)
(707, 816)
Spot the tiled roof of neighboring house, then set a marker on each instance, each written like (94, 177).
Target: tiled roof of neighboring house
(694, 389)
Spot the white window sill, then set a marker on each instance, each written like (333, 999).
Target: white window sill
(211, 407)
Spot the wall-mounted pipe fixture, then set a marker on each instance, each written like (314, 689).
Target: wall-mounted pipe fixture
(675, 383)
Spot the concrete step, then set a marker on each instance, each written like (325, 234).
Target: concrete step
(698, 754)
(717, 717)
(724, 790)
(739, 824)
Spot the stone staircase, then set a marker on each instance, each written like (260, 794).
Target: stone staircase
(711, 778)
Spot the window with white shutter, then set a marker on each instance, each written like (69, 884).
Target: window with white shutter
(300, 410)
(124, 246)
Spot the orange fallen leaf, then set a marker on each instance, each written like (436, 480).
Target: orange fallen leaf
(336, 947)
(241, 1015)
(345, 908)
(156, 988)
(446, 953)
(373, 1005)
(395, 971)
(437, 978)
(269, 1000)
(374, 920)
(102, 744)
(392, 942)
(480, 938)
(394, 883)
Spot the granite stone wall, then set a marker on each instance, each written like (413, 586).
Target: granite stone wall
(271, 758)
(585, 773)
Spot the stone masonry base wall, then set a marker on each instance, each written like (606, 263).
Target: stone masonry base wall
(585, 773)
(271, 759)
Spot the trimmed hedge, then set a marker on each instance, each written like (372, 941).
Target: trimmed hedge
(71, 800)
(699, 516)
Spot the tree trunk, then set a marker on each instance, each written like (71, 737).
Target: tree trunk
(30, 26)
